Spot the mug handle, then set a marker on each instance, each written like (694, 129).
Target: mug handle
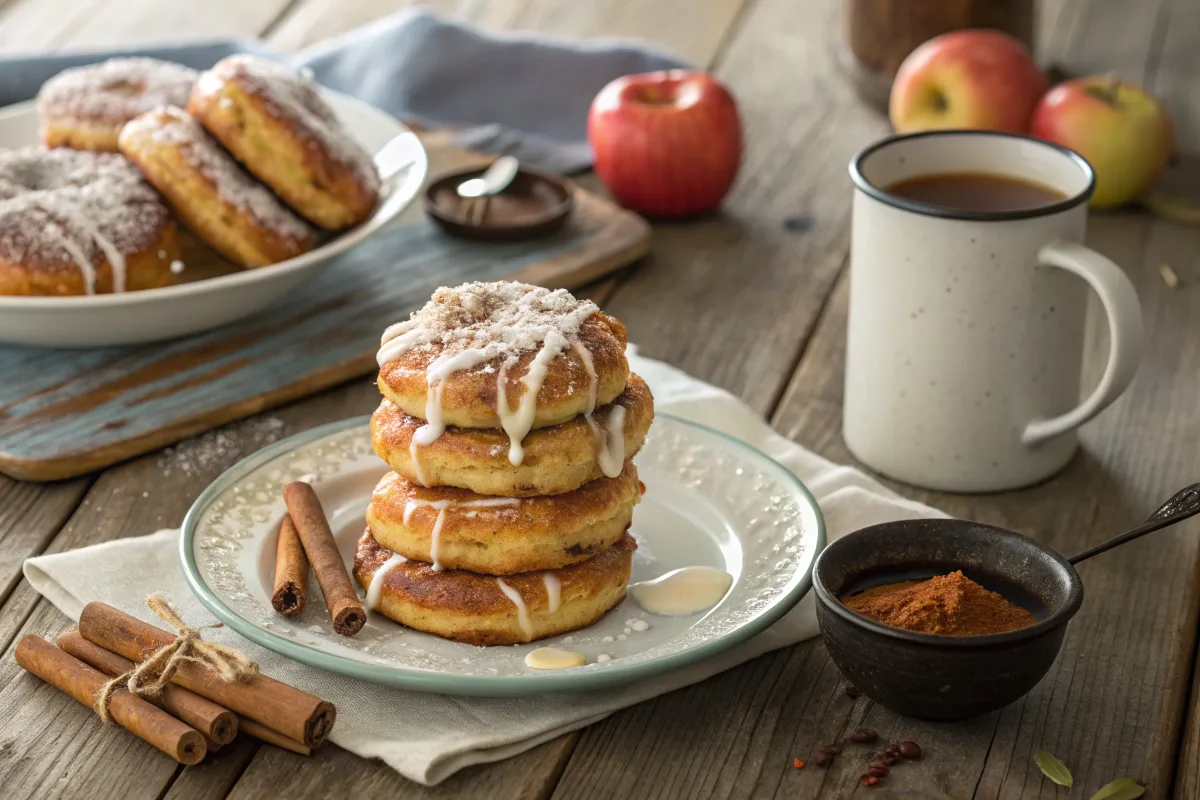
(1125, 333)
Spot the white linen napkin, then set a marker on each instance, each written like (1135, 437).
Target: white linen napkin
(428, 737)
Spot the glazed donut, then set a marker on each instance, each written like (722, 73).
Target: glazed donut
(277, 125)
(85, 107)
(458, 529)
(485, 610)
(223, 205)
(74, 222)
(558, 459)
(472, 356)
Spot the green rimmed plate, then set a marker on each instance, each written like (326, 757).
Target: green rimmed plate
(710, 500)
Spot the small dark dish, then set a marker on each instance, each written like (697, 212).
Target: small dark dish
(955, 677)
(534, 204)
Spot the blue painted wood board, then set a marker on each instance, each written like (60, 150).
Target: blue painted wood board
(68, 412)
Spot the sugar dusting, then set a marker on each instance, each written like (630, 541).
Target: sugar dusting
(295, 97)
(493, 322)
(65, 208)
(115, 91)
(174, 127)
(219, 448)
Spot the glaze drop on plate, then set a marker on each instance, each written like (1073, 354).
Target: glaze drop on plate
(553, 658)
(683, 591)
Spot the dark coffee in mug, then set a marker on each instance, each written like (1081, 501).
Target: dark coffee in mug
(976, 191)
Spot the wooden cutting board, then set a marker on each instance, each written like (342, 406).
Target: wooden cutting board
(68, 412)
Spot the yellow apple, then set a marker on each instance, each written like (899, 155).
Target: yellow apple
(976, 78)
(1123, 132)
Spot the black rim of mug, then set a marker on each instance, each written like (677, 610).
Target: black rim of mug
(944, 212)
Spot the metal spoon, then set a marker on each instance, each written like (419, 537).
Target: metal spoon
(493, 181)
(1185, 503)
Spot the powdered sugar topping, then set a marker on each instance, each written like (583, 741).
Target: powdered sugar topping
(176, 128)
(62, 208)
(486, 322)
(294, 96)
(115, 91)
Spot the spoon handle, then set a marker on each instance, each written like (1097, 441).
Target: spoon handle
(1183, 504)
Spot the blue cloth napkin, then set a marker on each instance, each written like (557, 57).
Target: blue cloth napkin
(519, 94)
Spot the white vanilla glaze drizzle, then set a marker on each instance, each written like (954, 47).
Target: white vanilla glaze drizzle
(55, 204)
(612, 441)
(589, 367)
(115, 259)
(612, 438)
(683, 591)
(418, 472)
(442, 506)
(518, 424)
(553, 658)
(519, 316)
(553, 591)
(376, 587)
(522, 609)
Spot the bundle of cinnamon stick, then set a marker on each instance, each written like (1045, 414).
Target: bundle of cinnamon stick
(305, 540)
(196, 713)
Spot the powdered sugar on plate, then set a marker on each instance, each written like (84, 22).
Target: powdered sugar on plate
(174, 127)
(218, 449)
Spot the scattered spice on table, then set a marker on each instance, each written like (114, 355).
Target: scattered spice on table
(950, 605)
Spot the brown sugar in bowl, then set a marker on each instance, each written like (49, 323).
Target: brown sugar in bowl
(534, 204)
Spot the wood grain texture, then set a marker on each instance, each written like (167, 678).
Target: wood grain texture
(36, 25)
(310, 21)
(732, 299)
(659, 22)
(66, 414)
(332, 771)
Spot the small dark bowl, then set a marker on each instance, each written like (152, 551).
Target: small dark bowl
(944, 677)
(535, 204)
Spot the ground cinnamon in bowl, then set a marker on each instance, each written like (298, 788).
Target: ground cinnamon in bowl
(950, 605)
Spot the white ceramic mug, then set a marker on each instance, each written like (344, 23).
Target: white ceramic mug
(965, 340)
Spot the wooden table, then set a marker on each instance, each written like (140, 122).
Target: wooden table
(757, 305)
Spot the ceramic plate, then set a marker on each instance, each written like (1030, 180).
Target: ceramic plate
(710, 500)
(154, 314)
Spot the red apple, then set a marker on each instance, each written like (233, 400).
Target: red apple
(666, 144)
(1123, 132)
(975, 78)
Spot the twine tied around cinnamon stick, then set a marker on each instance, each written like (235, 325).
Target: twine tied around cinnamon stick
(149, 677)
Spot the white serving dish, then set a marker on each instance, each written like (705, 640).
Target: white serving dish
(156, 314)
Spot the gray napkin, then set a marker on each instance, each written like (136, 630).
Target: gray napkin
(519, 94)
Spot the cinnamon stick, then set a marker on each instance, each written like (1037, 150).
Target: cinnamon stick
(295, 714)
(291, 571)
(321, 548)
(218, 724)
(77, 679)
(276, 738)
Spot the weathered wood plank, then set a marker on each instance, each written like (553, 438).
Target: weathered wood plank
(676, 25)
(30, 515)
(310, 21)
(332, 771)
(36, 25)
(731, 299)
